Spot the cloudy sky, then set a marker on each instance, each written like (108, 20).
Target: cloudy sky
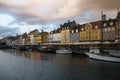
(19, 16)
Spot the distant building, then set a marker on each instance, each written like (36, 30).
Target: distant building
(54, 36)
(44, 37)
(23, 39)
(31, 38)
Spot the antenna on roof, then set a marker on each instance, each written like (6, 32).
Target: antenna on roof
(117, 9)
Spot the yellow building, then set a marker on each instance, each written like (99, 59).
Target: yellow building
(90, 32)
(44, 37)
(23, 41)
(41, 38)
(38, 39)
(65, 35)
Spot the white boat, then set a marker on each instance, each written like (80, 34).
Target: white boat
(63, 50)
(95, 53)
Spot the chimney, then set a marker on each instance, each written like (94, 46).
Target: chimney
(103, 17)
(68, 21)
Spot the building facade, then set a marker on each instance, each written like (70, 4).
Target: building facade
(75, 34)
(90, 32)
(118, 28)
(54, 36)
(109, 30)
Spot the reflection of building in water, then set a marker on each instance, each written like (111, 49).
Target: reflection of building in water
(31, 55)
(37, 56)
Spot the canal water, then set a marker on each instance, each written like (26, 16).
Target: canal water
(16, 65)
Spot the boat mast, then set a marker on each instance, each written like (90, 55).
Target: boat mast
(102, 19)
(42, 36)
(118, 20)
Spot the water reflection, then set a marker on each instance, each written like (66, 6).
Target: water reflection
(19, 65)
(27, 54)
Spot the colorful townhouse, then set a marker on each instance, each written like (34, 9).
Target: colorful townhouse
(65, 31)
(75, 34)
(31, 38)
(90, 32)
(118, 27)
(54, 36)
(109, 30)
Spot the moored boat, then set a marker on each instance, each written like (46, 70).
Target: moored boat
(63, 50)
(47, 49)
(96, 53)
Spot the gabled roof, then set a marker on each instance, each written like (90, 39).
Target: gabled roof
(24, 35)
(32, 32)
(96, 23)
(69, 24)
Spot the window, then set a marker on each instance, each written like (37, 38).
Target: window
(105, 29)
(109, 29)
(96, 27)
(86, 37)
(81, 37)
(96, 31)
(96, 37)
(82, 29)
(113, 28)
(72, 31)
(105, 24)
(76, 30)
(92, 37)
(111, 23)
(87, 32)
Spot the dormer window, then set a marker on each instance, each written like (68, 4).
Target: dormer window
(76, 30)
(82, 29)
(96, 27)
(105, 24)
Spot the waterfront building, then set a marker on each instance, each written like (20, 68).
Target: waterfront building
(109, 30)
(19, 40)
(23, 39)
(50, 37)
(90, 32)
(75, 34)
(65, 34)
(9, 40)
(41, 38)
(65, 31)
(54, 36)
(118, 27)
(44, 38)
(38, 39)
(31, 38)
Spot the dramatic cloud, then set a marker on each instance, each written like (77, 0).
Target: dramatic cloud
(52, 13)
(6, 31)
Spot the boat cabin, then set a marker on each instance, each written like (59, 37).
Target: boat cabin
(95, 50)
